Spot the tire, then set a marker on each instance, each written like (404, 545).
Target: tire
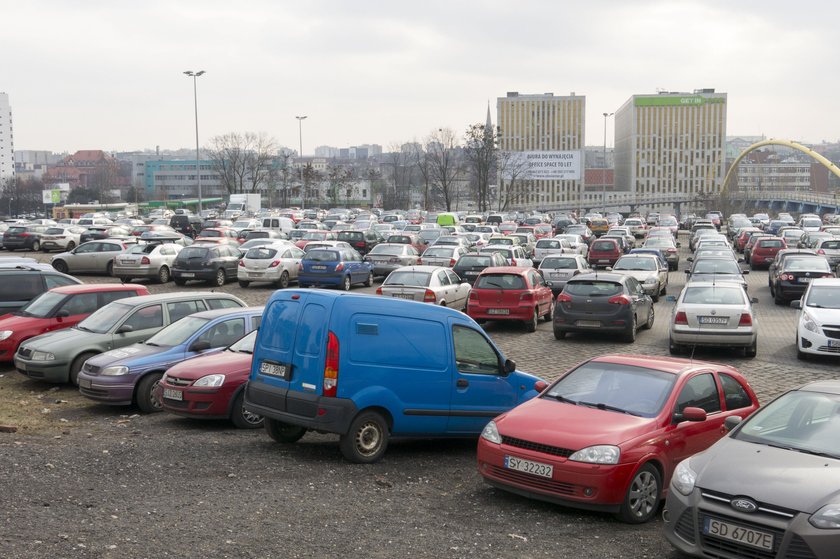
(283, 282)
(559, 334)
(801, 355)
(76, 366)
(366, 440)
(145, 396)
(36, 246)
(673, 348)
(751, 351)
(777, 298)
(630, 334)
(244, 283)
(60, 266)
(163, 275)
(369, 281)
(283, 432)
(550, 313)
(244, 419)
(180, 282)
(651, 317)
(643, 495)
(655, 297)
(531, 325)
(347, 283)
(221, 278)
(109, 269)
(70, 245)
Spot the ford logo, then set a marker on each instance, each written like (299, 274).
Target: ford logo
(743, 504)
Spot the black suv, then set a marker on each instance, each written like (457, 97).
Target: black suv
(215, 264)
(24, 237)
(99, 232)
(20, 282)
(362, 241)
(185, 224)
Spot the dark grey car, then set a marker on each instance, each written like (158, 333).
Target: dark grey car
(769, 488)
(603, 302)
(215, 264)
(24, 237)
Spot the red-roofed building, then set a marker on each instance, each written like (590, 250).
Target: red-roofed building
(86, 169)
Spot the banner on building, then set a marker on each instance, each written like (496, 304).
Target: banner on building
(679, 101)
(51, 196)
(543, 165)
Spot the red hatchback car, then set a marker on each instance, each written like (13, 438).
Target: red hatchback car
(212, 386)
(764, 251)
(608, 434)
(604, 252)
(59, 308)
(511, 293)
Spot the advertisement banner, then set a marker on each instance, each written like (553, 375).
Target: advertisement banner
(544, 165)
(673, 100)
(51, 196)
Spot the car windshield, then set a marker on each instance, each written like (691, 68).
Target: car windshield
(614, 387)
(819, 264)
(322, 256)
(823, 297)
(408, 277)
(635, 264)
(801, 421)
(593, 288)
(105, 318)
(42, 305)
(559, 264)
(178, 332)
(716, 266)
(714, 295)
(389, 250)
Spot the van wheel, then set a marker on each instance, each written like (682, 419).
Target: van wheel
(366, 440)
(642, 499)
(163, 275)
(283, 432)
(531, 325)
(77, 366)
(242, 418)
(346, 285)
(369, 282)
(147, 400)
(283, 282)
(244, 283)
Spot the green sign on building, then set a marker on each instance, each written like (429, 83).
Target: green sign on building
(677, 100)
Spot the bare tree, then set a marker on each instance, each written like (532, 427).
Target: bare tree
(444, 163)
(399, 163)
(421, 163)
(311, 180)
(284, 173)
(338, 179)
(242, 161)
(481, 157)
(511, 168)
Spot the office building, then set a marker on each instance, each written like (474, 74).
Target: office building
(671, 144)
(7, 140)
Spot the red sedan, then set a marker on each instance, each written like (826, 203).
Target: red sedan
(58, 308)
(212, 386)
(511, 293)
(608, 434)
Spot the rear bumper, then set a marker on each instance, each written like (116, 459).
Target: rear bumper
(514, 313)
(332, 415)
(193, 274)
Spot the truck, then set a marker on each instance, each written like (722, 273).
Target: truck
(243, 205)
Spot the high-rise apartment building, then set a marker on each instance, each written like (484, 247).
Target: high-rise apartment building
(7, 140)
(548, 132)
(671, 143)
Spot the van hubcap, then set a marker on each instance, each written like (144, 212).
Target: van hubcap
(368, 438)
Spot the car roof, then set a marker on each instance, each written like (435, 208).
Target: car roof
(421, 268)
(518, 270)
(216, 313)
(831, 386)
(144, 299)
(96, 288)
(674, 365)
(605, 276)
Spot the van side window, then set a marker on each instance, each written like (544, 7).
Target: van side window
(473, 353)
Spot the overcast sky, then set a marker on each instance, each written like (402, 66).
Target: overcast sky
(108, 74)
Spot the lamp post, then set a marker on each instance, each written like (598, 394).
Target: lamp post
(302, 184)
(194, 76)
(604, 172)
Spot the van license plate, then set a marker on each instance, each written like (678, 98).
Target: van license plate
(173, 394)
(739, 534)
(529, 467)
(274, 369)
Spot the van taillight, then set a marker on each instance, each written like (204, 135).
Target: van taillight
(145, 260)
(681, 318)
(331, 367)
(429, 296)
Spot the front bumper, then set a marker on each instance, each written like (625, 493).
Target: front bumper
(204, 403)
(816, 343)
(48, 371)
(116, 390)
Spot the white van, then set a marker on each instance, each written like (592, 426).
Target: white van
(274, 223)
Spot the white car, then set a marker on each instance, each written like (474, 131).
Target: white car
(636, 226)
(276, 263)
(61, 238)
(818, 330)
(515, 255)
(648, 270)
(577, 243)
(428, 284)
(548, 246)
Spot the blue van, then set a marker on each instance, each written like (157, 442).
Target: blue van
(371, 368)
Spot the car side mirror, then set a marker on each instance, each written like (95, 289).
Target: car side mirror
(690, 414)
(125, 329)
(796, 304)
(540, 385)
(510, 366)
(62, 314)
(200, 345)
(688, 272)
(731, 422)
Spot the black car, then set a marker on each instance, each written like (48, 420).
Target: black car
(189, 225)
(20, 282)
(471, 264)
(213, 263)
(362, 241)
(27, 237)
(794, 274)
(99, 232)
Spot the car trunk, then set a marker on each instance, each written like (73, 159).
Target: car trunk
(721, 317)
(194, 259)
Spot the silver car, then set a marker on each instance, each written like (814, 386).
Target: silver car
(276, 263)
(93, 257)
(716, 314)
(444, 255)
(769, 488)
(647, 269)
(557, 269)
(149, 260)
(387, 257)
(577, 243)
(548, 246)
(427, 284)
(830, 248)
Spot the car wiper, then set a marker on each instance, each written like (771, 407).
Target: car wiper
(153, 344)
(83, 328)
(248, 351)
(561, 398)
(814, 452)
(602, 406)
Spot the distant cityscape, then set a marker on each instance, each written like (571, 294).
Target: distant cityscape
(536, 157)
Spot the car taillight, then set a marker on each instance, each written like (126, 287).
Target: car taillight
(746, 319)
(820, 251)
(564, 298)
(23, 235)
(360, 244)
(379, 290)
(527, 296)
(619, 300)
(473, 295)
(451, 262)
(429, 296)
(340, 267)
(242, 263)
(680, 318)
(274, 264)
(145, 260)
(672, 250)
(786, 277)
(828, 275)
(331, 367)
(419, 261)
(300, 267)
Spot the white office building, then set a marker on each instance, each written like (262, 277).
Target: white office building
(7, 142)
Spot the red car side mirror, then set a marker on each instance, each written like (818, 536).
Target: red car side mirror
(694, 414)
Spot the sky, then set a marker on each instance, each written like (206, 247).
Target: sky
(108, 74)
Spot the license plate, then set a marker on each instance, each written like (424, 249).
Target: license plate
(557, 275)
(739, 534)
(471, 273)
(713, 319)
(604, 261)
(804, 280)
(833, 343)
(254, 274)
(126, 262)
(403, 296)
(274, 369)
(187, 275)
(173, 394)
(529, 467)
(588, 323)
(498, 311)
(319, 267)
(84, 383)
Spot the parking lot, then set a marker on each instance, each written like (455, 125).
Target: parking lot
(109, 482)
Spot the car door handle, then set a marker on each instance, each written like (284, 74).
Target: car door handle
(462, 383)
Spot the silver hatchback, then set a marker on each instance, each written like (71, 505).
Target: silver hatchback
(152, 260)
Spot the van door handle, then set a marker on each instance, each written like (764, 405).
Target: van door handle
(461, 383)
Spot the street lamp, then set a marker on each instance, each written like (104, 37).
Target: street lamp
(300, 139)
(194, 76)
(604, 172)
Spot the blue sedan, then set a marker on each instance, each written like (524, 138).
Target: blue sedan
(338, 267)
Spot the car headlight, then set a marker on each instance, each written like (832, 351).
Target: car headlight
(651, 281)
(210, 380)
(827, 518)
(491, 433)
(684, 478)
(809, 323)
(5, 334)
(117, 371)
(598, 454)
(42, 356)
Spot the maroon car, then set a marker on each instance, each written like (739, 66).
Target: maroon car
(212, 386)
(604, 252)
(764, 251)
(511, 293)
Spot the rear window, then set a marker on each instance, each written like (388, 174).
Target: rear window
(193, 252)
(805, 264)
(548, 243)
(830, 244)
(55, 231)
(714, 295)
(770, 243)
(387, 250)
(500, 281)
(399, 239)
(351, 236)
(604, 245)
(260, 253)
(593, 288)
(473, 261)
(16, 230)
(322, 256)
(439, 251)
(408, 277)
(559, 264)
